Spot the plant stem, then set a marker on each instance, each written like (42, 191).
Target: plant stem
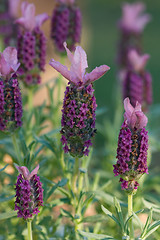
(75, 174)
(30, 99)
(130, 210)
(16, 148)
(29, 229)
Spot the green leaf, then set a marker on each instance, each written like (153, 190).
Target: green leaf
(109, 214)
(2, 169)
(95, 236)
(61, 183)
(119, 213)
(66, 213)
(149, 219)
(153, 227)
(8, 215)
(137, 218)
(149, 205)
(94, 218)
(6, 198)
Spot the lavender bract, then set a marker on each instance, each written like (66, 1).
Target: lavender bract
(132, 147)
(10, 95)
(31, 44)
(66, 25)
(29, 193)
(79, 105)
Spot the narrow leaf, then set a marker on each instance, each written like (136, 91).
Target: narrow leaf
(8, 215)
(95, 236)
(109, 214)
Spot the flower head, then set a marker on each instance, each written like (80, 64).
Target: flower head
(29, 192)
(8, 61)
(28, 20)
(77, 74)
(132, 147)
(133, 19)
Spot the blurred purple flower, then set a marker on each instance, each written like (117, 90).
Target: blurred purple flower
(31, 44)
(137, 84)
(66, 24)
(132, 147)
(29, 193)
(10, 95)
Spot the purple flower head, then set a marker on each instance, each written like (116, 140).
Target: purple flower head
(77, 74)
(28, 20)
(79, 105)
(133, 19)
(8, 62)
(132, 147)
(29, 193)
(137, 83)
(31, 45)
(66, 24)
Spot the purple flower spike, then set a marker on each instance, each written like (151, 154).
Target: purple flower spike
(132, 147)
(31, 44)
(10, 95)
(137, 83)
(79, 105)
(66, 24)
(29, 193)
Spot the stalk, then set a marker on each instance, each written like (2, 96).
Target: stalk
(130, 210)
(30, 99)
(29, 229)
(16, 148)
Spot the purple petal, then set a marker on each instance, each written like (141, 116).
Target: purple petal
(96, 74)
(137, 61)
(60, 68)
(23, 170)
(13, 7)
(34, 172)
(41, 18)
(78, 63)
(10, 56)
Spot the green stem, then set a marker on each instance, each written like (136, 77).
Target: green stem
(30, 99)
(16, 148)
(75, 175)
(29, 229)
(130, 211)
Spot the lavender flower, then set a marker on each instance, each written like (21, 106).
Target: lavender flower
(8, 14)
(29, 193)
(79, 105)
(31, 44)
(137, 83)
(10, 95)
(132, 147)
(66, 24)
(131, 26)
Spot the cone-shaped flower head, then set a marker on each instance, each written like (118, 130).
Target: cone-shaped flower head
(8, 14)
(10, 95)
(29, 192)
(31, 44)
(134, 19)
(137, 83)
(79, 105)
(132, 147)
(66, 24)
